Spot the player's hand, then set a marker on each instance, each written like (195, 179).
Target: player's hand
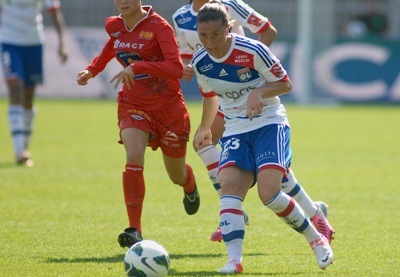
(254, 104)
(83, 77)
(188, 73)
(125, 77)
(202, 138)
(63, 53)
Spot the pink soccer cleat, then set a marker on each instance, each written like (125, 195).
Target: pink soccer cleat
(320, 221)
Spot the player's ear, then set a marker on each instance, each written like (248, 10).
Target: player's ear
(228, 28)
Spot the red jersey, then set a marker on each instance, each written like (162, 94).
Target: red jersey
(151, 48)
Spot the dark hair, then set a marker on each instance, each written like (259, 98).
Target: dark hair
(213, 11)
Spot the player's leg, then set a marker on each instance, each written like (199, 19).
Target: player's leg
(210, 157)
(14, 75)
(276, 139)
(135, 142)
(173, 137)
(236, 175)
(16, 120)
(210, 154)
(181, 174)
(33, 64)
(235, 183)
(316, 211)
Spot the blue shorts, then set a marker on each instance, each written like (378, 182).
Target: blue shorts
(266, 147)
(23, 62)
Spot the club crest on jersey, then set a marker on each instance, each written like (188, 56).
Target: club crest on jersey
(146, 35)
(244, 74)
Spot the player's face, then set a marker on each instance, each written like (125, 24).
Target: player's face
(214, 37)
(128, 7)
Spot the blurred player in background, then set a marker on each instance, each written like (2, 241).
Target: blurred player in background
(22, 43)
(241, 15)
(256, 141)
(151, 107)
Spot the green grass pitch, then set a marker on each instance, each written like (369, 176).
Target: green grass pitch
(62, 217)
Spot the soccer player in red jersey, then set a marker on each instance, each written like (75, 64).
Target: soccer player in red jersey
(151, 107)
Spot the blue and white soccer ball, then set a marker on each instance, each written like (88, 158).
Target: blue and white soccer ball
(146, 258)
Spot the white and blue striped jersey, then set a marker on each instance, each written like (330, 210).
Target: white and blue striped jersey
(22, 21)
(184, 20)
(248, 64)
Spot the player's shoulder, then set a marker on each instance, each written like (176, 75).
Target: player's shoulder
(113, 24)
(245, 40)
(182, 10)
(156, 22)
(199, 56)
(232, 2)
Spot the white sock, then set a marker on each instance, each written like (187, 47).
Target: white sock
(292, 187)
(16, 122)
(293, 215)
(210, 157)
(232, 225)
(29, 116)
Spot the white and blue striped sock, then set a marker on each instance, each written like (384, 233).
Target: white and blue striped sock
(17, 127)
(232, 225)
(293, 215)
(292, 187)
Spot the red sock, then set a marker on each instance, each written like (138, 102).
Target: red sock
(134, 191)
(190, 182)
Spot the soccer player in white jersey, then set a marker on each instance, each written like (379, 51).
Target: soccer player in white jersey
(244, 79)
(22, 39)
(241, 15)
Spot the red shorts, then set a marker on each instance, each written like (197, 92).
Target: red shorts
(169, 128)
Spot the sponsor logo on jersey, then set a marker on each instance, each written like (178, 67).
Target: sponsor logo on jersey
(116, 34)
(254, 20)
(223, 73)
(278, 71)
(205, 68)
(171, 139)
(244, 74)
(137, 117)
(183, 20)
(236, 94)
(146, 35)
(120, 44)
(242, 59)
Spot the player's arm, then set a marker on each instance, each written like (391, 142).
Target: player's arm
(98, 64)
(188, 71)
(59, 24)
(242, 14)
(278, 81)
(204, 136)
(268, 35)
(171, 67)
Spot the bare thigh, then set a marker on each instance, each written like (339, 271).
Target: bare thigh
(135, 142)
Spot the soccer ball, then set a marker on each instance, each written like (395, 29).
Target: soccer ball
(146, 258)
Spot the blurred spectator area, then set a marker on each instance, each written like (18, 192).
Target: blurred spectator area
(331, 17)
